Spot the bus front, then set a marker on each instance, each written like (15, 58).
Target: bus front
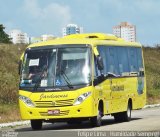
(55, 84)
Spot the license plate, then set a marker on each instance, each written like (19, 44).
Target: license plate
(53, 112)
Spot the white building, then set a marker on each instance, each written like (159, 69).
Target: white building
(126, 31)
(72, 29)
(18, 37)
(46, 37)
(35, 39)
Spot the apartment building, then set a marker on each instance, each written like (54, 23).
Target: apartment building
(126, 31)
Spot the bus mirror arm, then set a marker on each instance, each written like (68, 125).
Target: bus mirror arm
(98, 80)
(95, 82)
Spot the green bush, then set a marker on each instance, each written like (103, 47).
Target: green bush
(152, 65)
(9, 78)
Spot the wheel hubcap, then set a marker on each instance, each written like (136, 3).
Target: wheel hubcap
(129, 112)
(99, 117)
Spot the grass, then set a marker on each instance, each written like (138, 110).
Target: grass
(152, 65)
(9, 79)
(9, 112)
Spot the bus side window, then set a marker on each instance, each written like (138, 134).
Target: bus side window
(98, 75)
(112, 61)
(96, 71)
(102, 52)
(133, 59)
(123, 62)
(139, 56)
(140, 62)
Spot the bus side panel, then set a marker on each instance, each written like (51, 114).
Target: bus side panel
(119, 90)
(138, 99)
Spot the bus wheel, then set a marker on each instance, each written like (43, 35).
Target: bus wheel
(36, 124)
(127, 114)
(97, 120)
(124, 116)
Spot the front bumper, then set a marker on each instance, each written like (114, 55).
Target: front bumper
(86, 109)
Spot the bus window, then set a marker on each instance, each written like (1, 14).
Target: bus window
(139, 58)
(122, 60)
(112, 61)
(102, 52)
(133, 60)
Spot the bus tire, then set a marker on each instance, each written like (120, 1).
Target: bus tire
(117, 117)
(36, 124)
(124, 116)
(97, 120)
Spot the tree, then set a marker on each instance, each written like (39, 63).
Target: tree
(4, 38)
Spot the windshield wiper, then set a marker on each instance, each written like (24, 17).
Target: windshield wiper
(39, 79)
(65, 77)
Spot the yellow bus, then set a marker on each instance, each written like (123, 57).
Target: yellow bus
(81, 77)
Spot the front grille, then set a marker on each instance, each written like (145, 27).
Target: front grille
(56, 103)
(62, 113)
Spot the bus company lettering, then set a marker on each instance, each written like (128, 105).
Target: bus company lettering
(117, 88)
(43, 96)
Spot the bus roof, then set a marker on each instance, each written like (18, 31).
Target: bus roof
(90, 38)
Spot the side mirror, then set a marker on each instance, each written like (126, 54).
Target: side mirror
(98, 80)
(100, 62)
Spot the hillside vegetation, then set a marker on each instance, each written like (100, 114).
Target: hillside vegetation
(9, 78)
(9, 58)
(152, 65)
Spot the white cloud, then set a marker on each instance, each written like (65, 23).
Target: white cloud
(47, 19)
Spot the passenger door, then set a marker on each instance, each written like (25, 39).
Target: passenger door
(104, 85)
(115, 82)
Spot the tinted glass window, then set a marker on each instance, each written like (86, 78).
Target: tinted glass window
(123, 64)
(139, 57)
(103, 53)
(112, 60)
(133, 59)
(121, 60)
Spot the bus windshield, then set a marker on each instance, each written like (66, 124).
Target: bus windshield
(56, 67)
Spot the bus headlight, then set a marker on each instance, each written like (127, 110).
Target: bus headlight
(26, 100)
(81, 98)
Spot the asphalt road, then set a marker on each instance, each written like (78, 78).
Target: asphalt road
(142, 120)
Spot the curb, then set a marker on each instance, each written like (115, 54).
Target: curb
(12, 124)
(152, 106)
(19, 123)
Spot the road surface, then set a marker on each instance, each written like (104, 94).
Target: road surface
(142, 120)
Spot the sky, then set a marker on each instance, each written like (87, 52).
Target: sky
(38, 17)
